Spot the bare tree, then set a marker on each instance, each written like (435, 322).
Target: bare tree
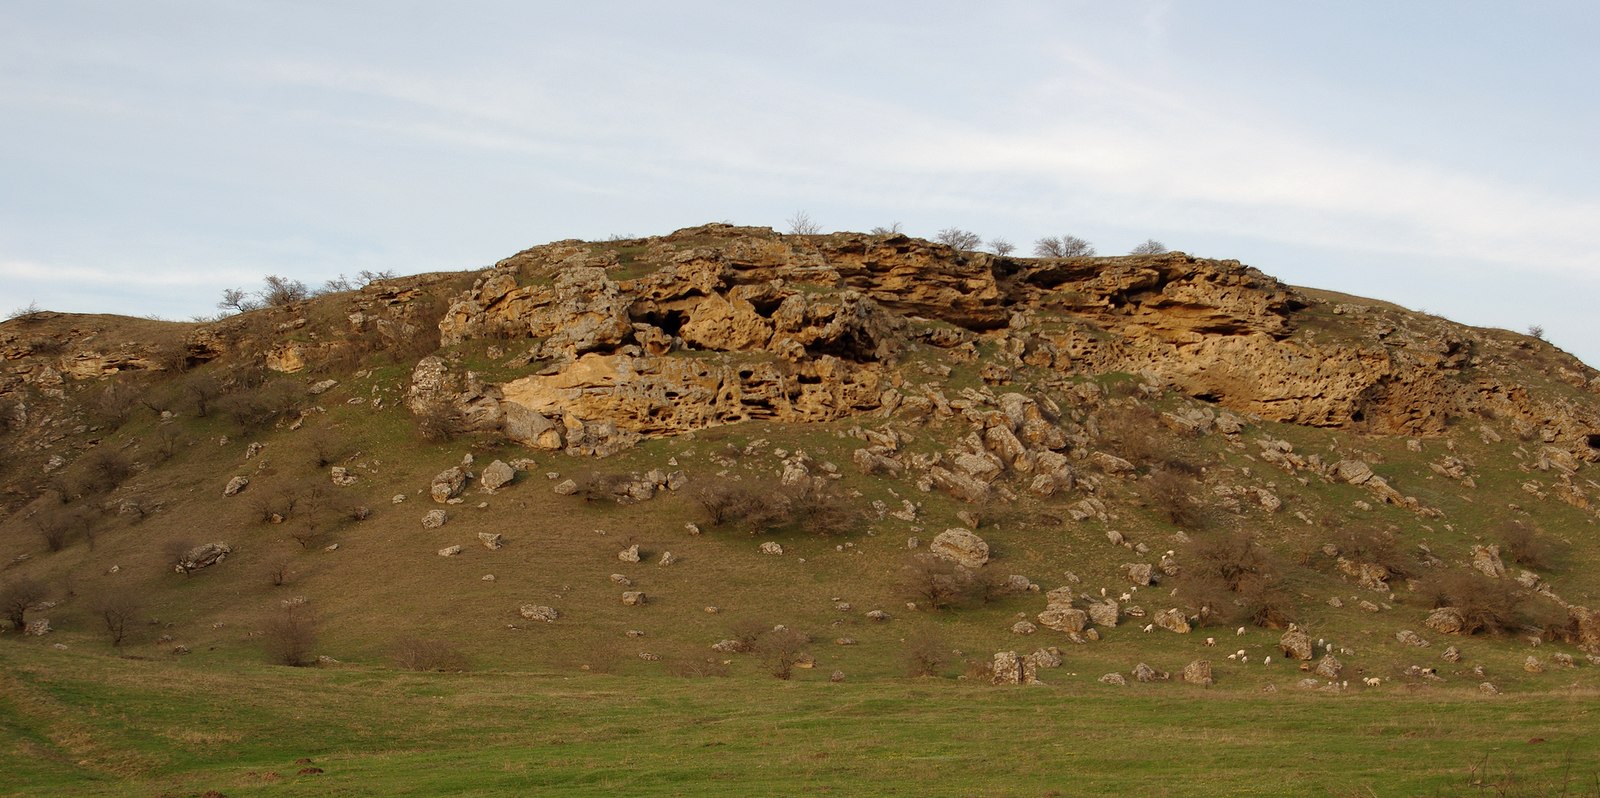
(236, 300)
(18, 597)
(781, 649)
(934, 581)
(800, 224)
(1536, 331)
(117, 609)
(893, 229)
(1062, 247)
(1002, 247)
(964, 240)
(291, 633)
(277, 291)
(1149, 247)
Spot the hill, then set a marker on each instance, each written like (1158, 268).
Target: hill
(730, 451)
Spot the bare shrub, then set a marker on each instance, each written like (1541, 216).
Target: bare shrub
(780, 650)
(421, 654)
(261, 406)
(800, 224)
(1175, 494)
(1131, 432)
(601, 486)
(173, 552)
(893, 229)
(1364, 543)
(440, 421)
(115, 402)
(323, 448)
(934, 582)
(699, 668)
(273, 506)
(117, 609)
(961, 240)
(817, 506)
(279, 572)
(201, 389)
(1491, 606)
(1527, 546)
(56, 524)
(1062, 247)
(1229, 577)
(1002, 247)
(290, 633)
(1149, 246)
(926, 652)
(720, 501)
(746, 631)
(18, 596)
(104, 469)
(277, 291)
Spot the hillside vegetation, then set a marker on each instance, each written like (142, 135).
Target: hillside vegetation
(648, 476)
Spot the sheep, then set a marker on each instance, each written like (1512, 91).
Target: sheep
(1211, 641)
(1372, 681)
(1239, 632)
(1149, 627)
(1267, 661)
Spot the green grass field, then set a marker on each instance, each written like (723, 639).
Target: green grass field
(90, 725)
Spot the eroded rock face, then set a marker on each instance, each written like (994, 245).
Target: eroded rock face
(962, 547)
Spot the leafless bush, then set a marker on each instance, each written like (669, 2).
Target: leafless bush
(893, 229)
(118, 609)
(1149, 246)
(277, 291)
(934, 582)
(1229, 577)
(1002, 247)
(926, 652)
(440, 421)
(323, 448)
(201, 389)
(56, 524)
(816, 506)
(800, 224)
(1131, 432)
(699, 668)
(780, 650)
(746, 631)
(18, 596)
(603, 486)
(721, 501)
(105, 468)
(1491, 606)
(420, 654)
(1364, 543)
(173, 552)
(961, 240)
(1527, 546)
(1176, 495)
(290, 633)
(1062, 247)
(115, 402)
(279, 572)
(168, 439)
(273, 506)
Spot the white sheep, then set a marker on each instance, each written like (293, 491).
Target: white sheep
(1372, 681)
(1149, 627)
(1211, 641)
(1267, 661)
(1239, 632)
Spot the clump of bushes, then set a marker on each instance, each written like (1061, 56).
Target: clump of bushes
(1527, 546)
(1229, 577)
(1490, 606)
(423, 654)
(811, 505)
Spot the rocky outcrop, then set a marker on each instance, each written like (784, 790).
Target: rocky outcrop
(960, 546)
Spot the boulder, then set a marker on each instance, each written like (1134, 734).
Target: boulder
(771, 548)
(447, 484)
(1328, 667)
(960, 546)
(629, 554)
(449, 551)
(1145, 673)
(1104, 613)
(1006, 668)
(1447, 620)
(1354, 472)
(1173, 620)
(1114, 679)
(1410, 638)
(434, 519)
(633, 598)
(539, 612)
(1452, 654)
(204, 555)
(1064, 619)
(496, 476)
(1023, 628)
(1198, 672)
(1139, 573)
(1296, 644)
(1532, 665)
(491, 540)
(1486, 559)
(235, 485)
(341, 476)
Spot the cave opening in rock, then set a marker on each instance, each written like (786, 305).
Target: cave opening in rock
(1358, 416)
(670, 321)
(1593, 439)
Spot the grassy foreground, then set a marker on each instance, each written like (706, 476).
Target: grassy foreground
(88, 725)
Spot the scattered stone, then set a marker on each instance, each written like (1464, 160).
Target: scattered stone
(1452, 654)
(1563, 660)
(1172, 620)
(1064, 619)
(622, 579)
(1139, 573)
(488, 577)
(341, 476)
(565, 487)
(633, 598)
(496, 476)
(878, 615)
(629, 554)
(771, 548)
(1329, 667)
(691, 528)
(447, 484)
(836, 677)
(434, 519)
(1114, 679)
(1532, 665)
(960, 546)
(727, 646)
(1144, 673)
(322, 387)
(1198, 672)
(1486, 559)
(1446, 620)
(844, 641)
(1488, 689)
(449, 551)
(1296, 644)
(1006, 668)
(397, 498)
(38, 628)
(667, 558)
(1023, 628)
(204, 555)
(1410, 638)
(649, 657)
(491, 540)
(235, 485)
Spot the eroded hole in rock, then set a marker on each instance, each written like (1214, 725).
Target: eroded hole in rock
(1358, 416)
(1593, 439)
(670, 321)
(847, 347)
(766, 305)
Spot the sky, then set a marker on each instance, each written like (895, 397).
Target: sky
(1442, 155)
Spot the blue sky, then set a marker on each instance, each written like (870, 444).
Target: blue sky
(1441, 155)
